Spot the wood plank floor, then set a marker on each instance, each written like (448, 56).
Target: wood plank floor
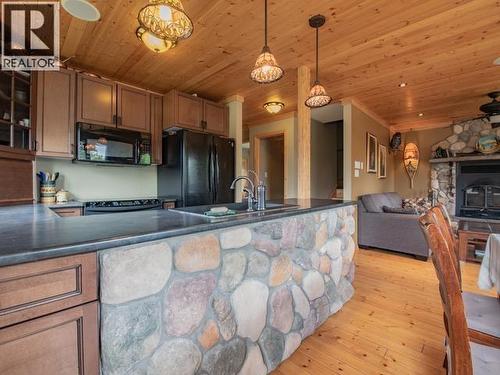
(392, 326)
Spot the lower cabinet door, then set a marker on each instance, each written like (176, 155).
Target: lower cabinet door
(63, 343)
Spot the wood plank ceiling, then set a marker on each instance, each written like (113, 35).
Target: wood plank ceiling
(444, 50)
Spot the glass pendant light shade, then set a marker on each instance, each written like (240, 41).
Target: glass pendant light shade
(166, 19)
(318, 97)
(266, 69)
(154, 43)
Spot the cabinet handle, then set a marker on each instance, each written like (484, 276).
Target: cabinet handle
(114, 119)
(119, 120)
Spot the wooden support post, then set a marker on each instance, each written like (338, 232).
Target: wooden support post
(303, 134)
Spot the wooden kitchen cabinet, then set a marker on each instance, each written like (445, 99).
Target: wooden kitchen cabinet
(215, 118)
(96, 100)
(31, 290)
(68, 211)
(133, 109)
(63, 343)
(183, 110)
(55, 117)
(49, 317)
(156, 128)
(186, 111)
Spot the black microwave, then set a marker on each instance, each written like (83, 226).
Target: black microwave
(107, 145)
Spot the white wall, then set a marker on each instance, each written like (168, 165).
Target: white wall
(289, 127)
(91, 182)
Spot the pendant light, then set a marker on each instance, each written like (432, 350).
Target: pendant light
(317, 96)
(266, 69)
(162, 23)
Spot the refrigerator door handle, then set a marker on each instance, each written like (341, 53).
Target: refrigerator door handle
(210, 178)
(216, 171)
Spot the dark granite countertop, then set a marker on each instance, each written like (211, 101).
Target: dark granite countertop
(34, 232)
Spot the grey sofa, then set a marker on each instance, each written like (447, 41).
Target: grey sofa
(390, 231)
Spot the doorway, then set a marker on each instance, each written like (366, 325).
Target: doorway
(270, 163)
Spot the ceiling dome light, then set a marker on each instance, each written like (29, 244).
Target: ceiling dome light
(274, 107)
(317, 96)
(81, 9)
(154, 43)
(266, 69)
(166, 19)
(403, 84)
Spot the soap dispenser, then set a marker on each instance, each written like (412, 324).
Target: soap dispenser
(261, 196)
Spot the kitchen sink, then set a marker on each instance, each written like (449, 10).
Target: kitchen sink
(239, 208)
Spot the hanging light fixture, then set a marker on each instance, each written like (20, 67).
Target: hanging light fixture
(317, 96)
(266, 69)
(274, 107)
(154, 43)
(166, 19)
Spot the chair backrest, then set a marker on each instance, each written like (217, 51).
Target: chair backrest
(460, 362)
(442, 220)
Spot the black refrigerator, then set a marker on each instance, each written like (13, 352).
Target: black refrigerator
(197, 169)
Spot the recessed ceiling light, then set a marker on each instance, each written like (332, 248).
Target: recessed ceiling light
(420, 114)
(81, 9)
(497, 61)
(402, 84)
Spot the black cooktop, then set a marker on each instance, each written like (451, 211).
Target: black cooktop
(124, 203)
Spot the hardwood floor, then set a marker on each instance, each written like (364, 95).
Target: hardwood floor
(393, 325)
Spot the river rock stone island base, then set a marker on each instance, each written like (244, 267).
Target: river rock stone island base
(237, 301)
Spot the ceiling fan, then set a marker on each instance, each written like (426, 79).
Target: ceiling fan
(493, 108)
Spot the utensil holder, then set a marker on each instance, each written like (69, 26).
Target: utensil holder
(48, 192)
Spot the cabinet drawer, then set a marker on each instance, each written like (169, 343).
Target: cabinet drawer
(63, 343)
(167, 205)
(66, 212)
(34, 289)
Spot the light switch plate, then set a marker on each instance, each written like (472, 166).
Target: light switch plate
(356, 173)
(357, 165)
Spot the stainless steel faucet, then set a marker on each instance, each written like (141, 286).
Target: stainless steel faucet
(250, 192)
(259, 191)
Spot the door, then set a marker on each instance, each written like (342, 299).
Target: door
(156, 128)
(189, 111)
(56, 113)
(63, 343)
(197, 179)
(133, 109)
(223, 150)
(96, 101)
(215, 118)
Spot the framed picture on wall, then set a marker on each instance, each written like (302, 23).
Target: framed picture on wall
(382, 161)
(371, 153)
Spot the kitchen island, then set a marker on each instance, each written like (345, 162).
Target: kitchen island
(181, 294)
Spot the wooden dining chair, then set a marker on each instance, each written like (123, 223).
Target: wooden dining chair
(464, 357)
(482, 312)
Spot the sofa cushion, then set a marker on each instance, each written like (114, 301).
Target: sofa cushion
(376, 202)
(400, 210)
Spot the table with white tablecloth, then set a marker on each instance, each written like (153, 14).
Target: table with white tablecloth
(489, 273)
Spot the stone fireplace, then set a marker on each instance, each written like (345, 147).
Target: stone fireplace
(461, 147)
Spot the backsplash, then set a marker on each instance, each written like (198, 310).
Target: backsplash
(92, 182)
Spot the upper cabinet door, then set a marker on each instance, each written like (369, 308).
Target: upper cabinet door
(215, 118)
(133, 109)
(189, 111)
(56, 113)
(96, 101)
(156, 128)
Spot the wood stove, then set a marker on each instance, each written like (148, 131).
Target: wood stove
(478, 187)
